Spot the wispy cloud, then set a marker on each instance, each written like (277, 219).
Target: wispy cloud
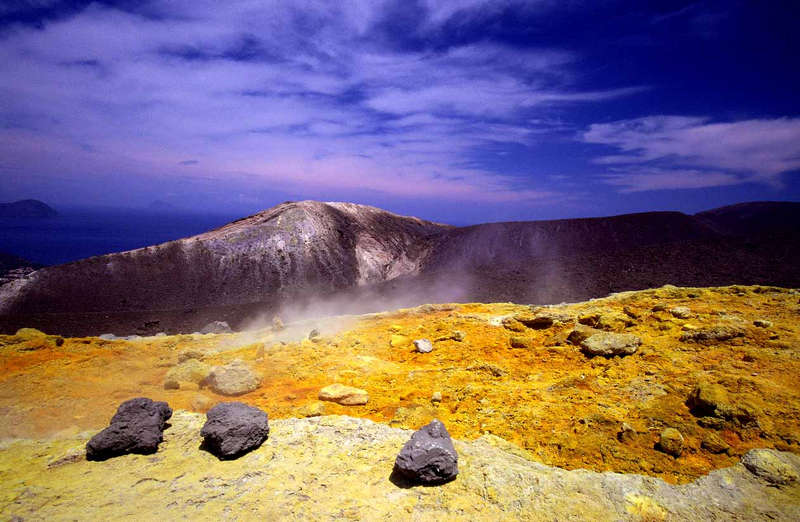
(664, 152)
(306, 95)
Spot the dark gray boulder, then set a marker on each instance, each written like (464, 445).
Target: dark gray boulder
(137, 427)
(429, 457)
(233, 429)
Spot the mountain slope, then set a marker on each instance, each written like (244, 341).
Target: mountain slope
(27, 208)
(369, 259)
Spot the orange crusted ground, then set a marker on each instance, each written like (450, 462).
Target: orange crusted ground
(564, 408)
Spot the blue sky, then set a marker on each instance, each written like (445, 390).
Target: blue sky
(460, 111)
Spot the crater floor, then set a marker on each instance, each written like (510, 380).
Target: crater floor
(494, 376)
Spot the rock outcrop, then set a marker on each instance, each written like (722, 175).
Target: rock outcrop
(137, 427)
(327, 468)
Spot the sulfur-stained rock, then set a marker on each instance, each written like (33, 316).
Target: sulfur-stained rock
(608, 320)
(714, 334)
(609, 344)
(423, 345)
(671, 441)
(771, 466)
(397, 340)
(542, 319)
(762, 323)
(681, 312)
(429, 457)
(136, 427)
(233, 429)
(201, 403)
(714, 443)
(190, 370)
(580, 333)
(186, 355)
(345, 395)
(511, 323)
(626, 433)
(234, 378)
(171, 384)
(517, 341)
(711, 403)
(313, 409)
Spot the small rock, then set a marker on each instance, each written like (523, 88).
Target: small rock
(713, 334)
(458, 335)
(190, 370)
(580, 333)
(429, 457)
(314, 409)
(436, 397)
(681, 312)
(517, 341)
(659, 308)
(510, 323)
(216, 327)
(671, 442)
(710, 402)
(190, 354)
(397, 340)
(714, 443)
(423, 345)
(609, 344)
(608, 320)
(234, 378)
(136, 427)
(345, 395)
(160, 334)
(171, 384)
(108, 337)
(201, 403)
(626, 433)
(543, 319)
(770, 466)
(313, 335)
(232, 429)
(762, 323)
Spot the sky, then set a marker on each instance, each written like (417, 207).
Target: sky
(463, 111)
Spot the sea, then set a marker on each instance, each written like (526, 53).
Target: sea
(80, 233)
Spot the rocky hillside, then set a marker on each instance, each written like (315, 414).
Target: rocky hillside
(302, 253)
(697, 416)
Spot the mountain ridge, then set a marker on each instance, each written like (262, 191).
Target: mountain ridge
(298, 252)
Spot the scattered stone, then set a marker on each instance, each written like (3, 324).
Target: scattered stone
(762, 323)
(714, 443)
(713, 334)
(234, 378)
(457, 335)
(108, 337)
(314, 409)
(313, 335)
(429, 457)
(543, 319)
(681, 312)
(626, 433)
(671, 442)
(233, 429)
(659, 308)
(436, 397)
(345, 395)
(216, 327)
(398, 340)
(131, 337)
(609, 344)
(581, 333)
(510, 323)
(136, 427)
(423, 345)
(609, 321)
(190, 354)
(171, 384)
(201, 403)
(710, 402)
(190, 370)
(770, 466)
(517, 341)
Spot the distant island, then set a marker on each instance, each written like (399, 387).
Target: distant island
(27, 208)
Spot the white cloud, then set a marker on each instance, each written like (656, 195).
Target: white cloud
(697, 152)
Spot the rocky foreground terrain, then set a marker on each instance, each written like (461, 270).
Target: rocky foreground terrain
(672, 403)
(353, 258)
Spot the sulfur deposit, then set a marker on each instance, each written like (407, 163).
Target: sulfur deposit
(714, 376)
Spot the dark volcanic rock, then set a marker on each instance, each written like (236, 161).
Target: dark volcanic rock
(233, 429)
(137, 427)
(429, 457)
